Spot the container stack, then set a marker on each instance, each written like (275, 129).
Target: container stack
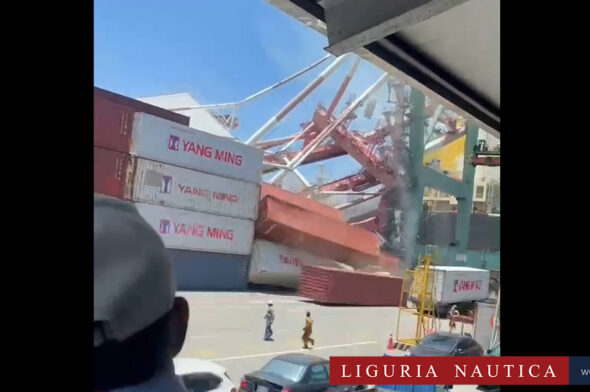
(280, 265)
(301, 223)
(293, 232)
(199, 191)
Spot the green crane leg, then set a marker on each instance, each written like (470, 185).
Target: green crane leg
(415, 191)
(465, 202)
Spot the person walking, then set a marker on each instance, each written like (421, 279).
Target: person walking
(307, 330)
(270, 318)
(453, 313)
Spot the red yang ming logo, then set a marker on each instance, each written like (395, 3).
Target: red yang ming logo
(173, 143)
(466, 285)
(290, 260)
(164, 226)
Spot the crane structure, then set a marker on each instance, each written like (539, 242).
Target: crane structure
(359, 145)
(420, 288)
(484, 156)
(390, 154)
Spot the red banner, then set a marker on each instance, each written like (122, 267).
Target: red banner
(449, 370)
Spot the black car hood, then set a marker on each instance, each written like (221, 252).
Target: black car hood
(420, 351)
(269, 377)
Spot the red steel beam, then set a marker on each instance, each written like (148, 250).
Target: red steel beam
(485, 161)
(355, 182)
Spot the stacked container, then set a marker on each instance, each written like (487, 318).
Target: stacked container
(199, 191)
(293, 232)
(279, 265)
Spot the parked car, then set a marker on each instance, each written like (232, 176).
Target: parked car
(294, 373)
(199, 375)
(444, 344)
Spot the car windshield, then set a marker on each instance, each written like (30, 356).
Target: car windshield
(440, 342)
(289, 370)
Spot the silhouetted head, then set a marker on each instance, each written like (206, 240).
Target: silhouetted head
(139, 325)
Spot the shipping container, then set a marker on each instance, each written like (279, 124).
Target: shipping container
(197, 271)
(453, 284)
(388, 262)
(165, 141)
(193, 230)
(333, 286)
(301, 202)
(286, 224)
(112, 171)
(173, 186)
(279, 265)
(113, 119)
(483, 325)
(140, 106)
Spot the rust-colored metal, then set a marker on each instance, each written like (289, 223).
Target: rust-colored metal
(290, 225)
(485, 161)
(355, 182)
(113, 119)
(319, 154)
(369, 224)
(138, 106)
(356, 148)
(388, 262)
(113, 124)
(301, 202)
(334, 286)
(112, 169)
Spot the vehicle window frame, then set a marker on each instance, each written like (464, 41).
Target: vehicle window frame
(468, 344)
(300, 376)
(307, 379)
(427, 341)
(214, 376)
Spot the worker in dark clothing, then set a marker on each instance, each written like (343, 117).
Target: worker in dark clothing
(270, 318)
(307, 330)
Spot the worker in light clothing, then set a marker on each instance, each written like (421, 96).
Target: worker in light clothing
(270, 318)
(454, 312)
(307, 332)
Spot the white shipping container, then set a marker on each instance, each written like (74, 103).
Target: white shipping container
(165, 141)
(174, 186)
(192, 230)
(460, 284)
(279, 265)
(484, 323)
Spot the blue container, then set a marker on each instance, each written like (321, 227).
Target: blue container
(206, 271)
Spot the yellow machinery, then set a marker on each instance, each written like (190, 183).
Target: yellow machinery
(419, 288)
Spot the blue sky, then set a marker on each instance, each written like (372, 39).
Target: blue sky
(219, 51)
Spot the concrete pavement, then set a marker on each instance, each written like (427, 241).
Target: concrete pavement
(228, 329)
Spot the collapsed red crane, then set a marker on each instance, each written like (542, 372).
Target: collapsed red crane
(343, 142)
(360, 146)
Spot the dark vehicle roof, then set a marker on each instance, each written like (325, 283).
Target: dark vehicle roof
(425, 349)
(451, 335)
(301, 359)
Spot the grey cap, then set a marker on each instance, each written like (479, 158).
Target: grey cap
(133, 279)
